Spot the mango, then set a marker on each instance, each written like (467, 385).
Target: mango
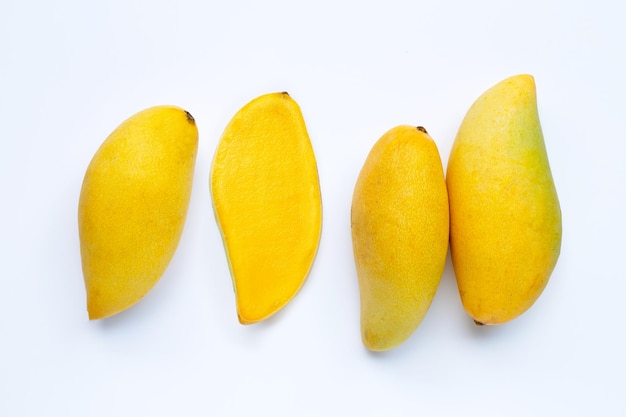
(400, 225)
(505, 217)
(267, 204)
(132, 206)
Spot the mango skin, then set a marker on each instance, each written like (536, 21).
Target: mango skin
(400, 231)
(505, 215)
(132, 207)
(267, 204)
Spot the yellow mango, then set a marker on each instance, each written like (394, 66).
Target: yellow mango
(132, 206)
(505, 215)
(267, 203)
(400, 226)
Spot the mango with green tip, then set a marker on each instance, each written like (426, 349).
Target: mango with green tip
(505, 214)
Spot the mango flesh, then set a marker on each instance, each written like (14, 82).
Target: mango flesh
(267, 203)
(400, 225)
(505, 215)
(133, 204)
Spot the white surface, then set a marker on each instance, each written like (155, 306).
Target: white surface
(70, 72)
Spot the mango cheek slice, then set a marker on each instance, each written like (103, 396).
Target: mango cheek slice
(267, 203)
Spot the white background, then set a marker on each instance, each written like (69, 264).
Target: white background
(71, 71)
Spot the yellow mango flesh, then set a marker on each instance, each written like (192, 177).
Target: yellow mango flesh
(505, 215)
(133, 204)
(400, 227)
(267, 203)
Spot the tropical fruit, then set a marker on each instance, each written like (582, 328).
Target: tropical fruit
(267, 203)
(400, 235)
(133, 204)
(505, 216)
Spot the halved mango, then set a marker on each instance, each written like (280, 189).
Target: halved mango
(267, 203)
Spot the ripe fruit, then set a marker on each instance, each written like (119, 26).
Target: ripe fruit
(400, 229)
(505, 215)
(133, 205)
(267, 203)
